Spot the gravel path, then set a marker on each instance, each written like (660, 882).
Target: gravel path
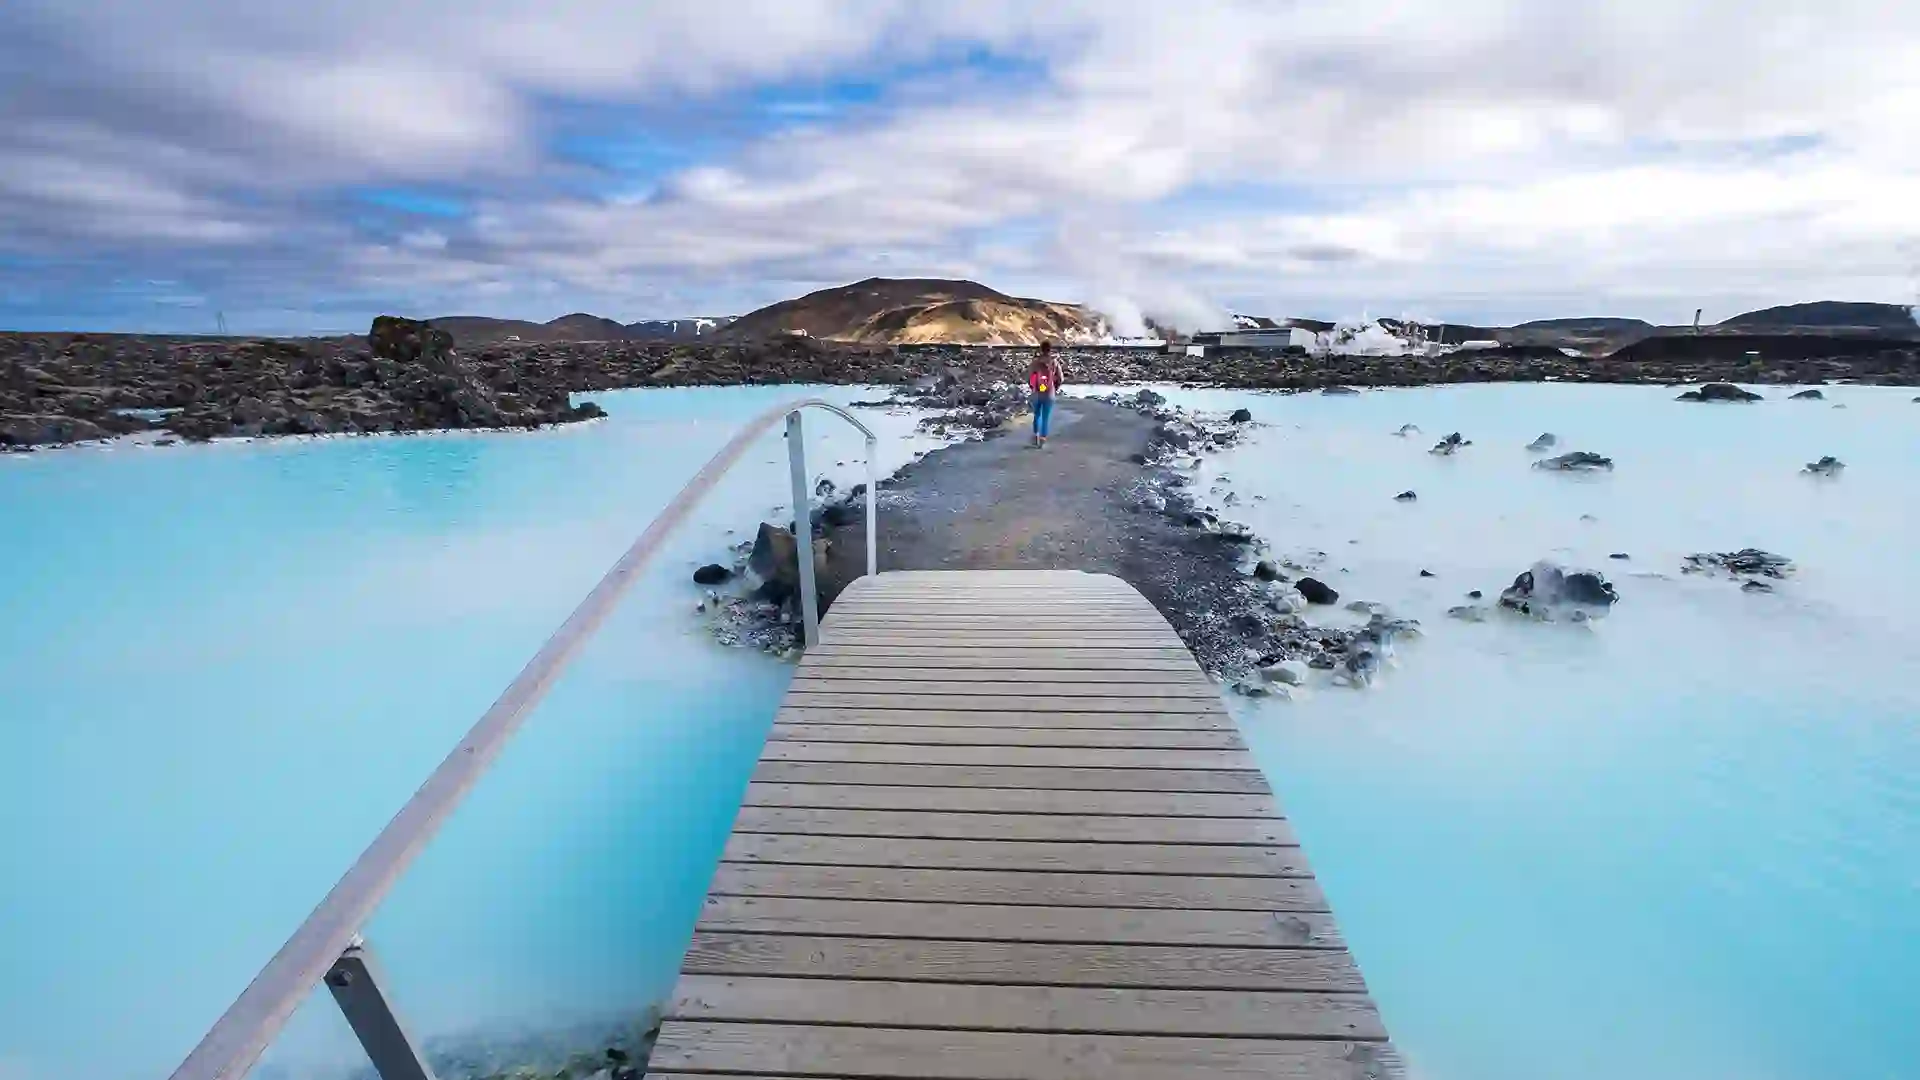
(1085, 502)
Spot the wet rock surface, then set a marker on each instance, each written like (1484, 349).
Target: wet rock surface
(1550, 592)
(1578, 461)
(1719, 392)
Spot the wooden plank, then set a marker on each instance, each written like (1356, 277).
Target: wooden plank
(1192, 967)
(810, 698)
(1015, 672)
(933, 825)
(981, 852)
(1131, 688)
(1020, 888)
(1029, 756)
(1014, 925)
(965, 776)
(934, 639)
(988, 622)
(1263, 1014)
(1121, 805)
(1136, 721)
(891, 1053)
(877, 656)
(981, 735)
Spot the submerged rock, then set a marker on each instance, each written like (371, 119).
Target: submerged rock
(1241, 416)
(1719, 391)
(1405, 496)
(1578, 461)
(1286, 672)
(1547, 441)
(1414, 429)
(1316, 591)
(1808, 395)
(1755, 586)
(1745, 561)
(1621, 555)
(1450, 444)
(1826, 466)
(1339, 390)
(1549, 591)
(1468, 612)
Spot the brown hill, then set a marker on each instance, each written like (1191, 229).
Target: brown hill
(920, 311)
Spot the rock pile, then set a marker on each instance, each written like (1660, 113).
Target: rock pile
(1747, 562)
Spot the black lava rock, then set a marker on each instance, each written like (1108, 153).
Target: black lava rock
(1316, 591)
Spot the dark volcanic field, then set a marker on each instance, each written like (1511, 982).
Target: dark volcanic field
(57, 388)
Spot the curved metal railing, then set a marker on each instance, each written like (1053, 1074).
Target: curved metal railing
(327, 946)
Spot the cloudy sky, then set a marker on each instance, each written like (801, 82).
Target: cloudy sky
(300, 167)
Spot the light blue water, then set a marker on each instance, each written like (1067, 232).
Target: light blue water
(224, 667)
(1683, 844)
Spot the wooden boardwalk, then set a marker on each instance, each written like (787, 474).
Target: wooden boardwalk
(1004, 829)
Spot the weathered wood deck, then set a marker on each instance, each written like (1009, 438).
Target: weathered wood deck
(1004, 829)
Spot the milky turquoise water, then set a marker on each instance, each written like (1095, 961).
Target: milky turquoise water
(1681, 844)
(225, 667)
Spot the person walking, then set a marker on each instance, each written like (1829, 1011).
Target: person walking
(1043, 378)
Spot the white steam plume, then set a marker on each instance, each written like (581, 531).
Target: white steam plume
(1126, 288)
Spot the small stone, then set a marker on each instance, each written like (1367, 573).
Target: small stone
(1756, 586)
(1426, 573)
(1316, 591)
(1286, 672)
(1468, 613)
(1265, 570)
(1808, 395)
(711, 574)
(1475, 594)
(1547, 441)
(1621, 555)
(1405, 496)
(1241, 416)
(1826, 466)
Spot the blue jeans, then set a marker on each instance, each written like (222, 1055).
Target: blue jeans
(1042, 413)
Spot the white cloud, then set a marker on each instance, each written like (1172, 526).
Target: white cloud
(1442, 153)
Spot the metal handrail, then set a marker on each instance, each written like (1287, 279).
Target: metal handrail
(235, 1042)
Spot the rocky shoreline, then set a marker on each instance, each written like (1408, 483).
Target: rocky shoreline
(1112, 496)
(409, 376)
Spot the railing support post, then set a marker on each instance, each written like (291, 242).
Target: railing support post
(803, 528)
(358, 988)
(873, 506)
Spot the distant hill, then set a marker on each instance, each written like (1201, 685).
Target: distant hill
(1831, 315)
(475, 330)
(1597, 324)
(677, 329)
(920, 311)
